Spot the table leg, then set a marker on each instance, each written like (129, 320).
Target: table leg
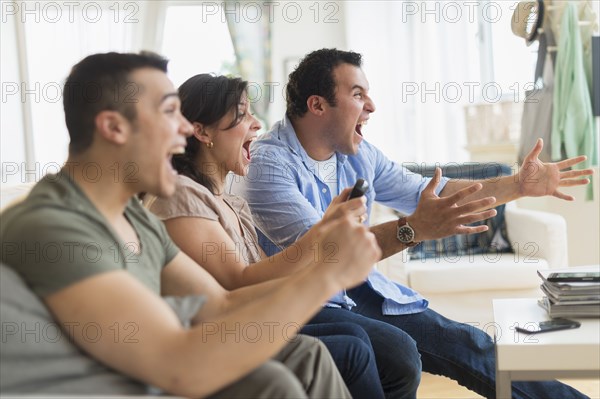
(503, 385)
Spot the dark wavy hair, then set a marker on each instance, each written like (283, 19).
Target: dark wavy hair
(206, 99)
(102, 82)
(314, 76)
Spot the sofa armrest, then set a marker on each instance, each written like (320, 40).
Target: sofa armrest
(11, 195)
(536, 234)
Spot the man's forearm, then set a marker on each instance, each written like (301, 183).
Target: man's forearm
(301, 281)
(504, 189)
(259, 323)
(282, 264)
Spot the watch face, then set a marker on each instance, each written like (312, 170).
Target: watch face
(406, 234)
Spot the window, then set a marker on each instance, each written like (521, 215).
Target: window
(512, 63)
(52, 37)
(195, 43)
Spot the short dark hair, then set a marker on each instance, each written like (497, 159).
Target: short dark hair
(206, 99)
(101, 82)
(314, 76)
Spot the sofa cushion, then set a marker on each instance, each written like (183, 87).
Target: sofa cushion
(37, 357)
(486, 272)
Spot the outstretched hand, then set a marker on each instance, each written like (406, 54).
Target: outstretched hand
(437, 217)
(537, 178)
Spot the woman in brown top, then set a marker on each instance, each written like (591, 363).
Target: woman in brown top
(216, 228)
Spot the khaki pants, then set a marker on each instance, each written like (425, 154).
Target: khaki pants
(302, 369)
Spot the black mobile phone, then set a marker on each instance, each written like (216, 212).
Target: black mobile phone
(574, 277)
(359, 189)
(550, 325)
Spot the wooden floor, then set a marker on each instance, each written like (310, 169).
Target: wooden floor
(436, 387)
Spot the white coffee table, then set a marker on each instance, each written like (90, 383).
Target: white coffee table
(528, 357)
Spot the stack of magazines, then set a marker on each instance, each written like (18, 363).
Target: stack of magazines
(570, 294)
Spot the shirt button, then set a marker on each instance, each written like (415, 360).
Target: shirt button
(324, 190)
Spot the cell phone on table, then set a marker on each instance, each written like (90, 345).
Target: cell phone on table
(574, 277)
(360, 188)
(550, 325)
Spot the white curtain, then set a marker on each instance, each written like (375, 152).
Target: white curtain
(53, 37)
(12, 140)
(421, 71)
(252, 43)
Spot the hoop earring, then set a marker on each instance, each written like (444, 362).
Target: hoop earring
(210, 145)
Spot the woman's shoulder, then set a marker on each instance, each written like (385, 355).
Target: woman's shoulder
(190, 199)
(236, 201)
(240, 205)
(186, 182)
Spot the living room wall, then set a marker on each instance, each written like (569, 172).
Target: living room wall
(583, 219)
(318, 27)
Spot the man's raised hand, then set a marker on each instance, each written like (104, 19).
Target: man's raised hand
(437, 217)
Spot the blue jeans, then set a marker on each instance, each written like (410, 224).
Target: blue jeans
(455, 350)
(398, 360)
(353, 354)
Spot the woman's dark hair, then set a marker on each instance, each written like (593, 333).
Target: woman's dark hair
(206, 99)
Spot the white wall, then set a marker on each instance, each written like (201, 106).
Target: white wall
(293, 39)
(583, 221)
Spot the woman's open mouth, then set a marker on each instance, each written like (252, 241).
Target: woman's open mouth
(246, 148)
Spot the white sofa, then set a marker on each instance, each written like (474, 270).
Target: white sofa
(11, 194)
(462, 288)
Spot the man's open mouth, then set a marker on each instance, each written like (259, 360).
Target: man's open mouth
(359, 126)
(180, 149)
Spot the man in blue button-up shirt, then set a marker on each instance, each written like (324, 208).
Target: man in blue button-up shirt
(319, 147)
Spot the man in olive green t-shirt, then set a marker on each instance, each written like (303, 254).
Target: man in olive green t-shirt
(85, 246)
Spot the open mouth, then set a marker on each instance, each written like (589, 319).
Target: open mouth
(180, 149)
(246, 148)
(359, 126)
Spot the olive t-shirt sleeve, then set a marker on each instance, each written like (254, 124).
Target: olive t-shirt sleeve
(170, 248)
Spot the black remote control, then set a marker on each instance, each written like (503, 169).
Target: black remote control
(360, 188)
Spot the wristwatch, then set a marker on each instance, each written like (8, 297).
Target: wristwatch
(405, 233)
